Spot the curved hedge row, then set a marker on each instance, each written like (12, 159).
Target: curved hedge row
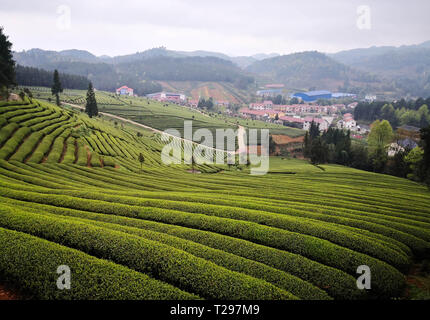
(32, 263)
(321, 230)
(27, 147)
(283, 280)
(385, 279)
(163, 262)
(6, 132)
(14, 142)
(337, 283)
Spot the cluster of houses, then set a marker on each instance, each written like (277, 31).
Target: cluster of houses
(349, 123)
(172, 97)
(302, 115)
(297, 109)
(280, 117)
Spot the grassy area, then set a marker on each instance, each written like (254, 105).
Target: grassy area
(73, 192)
(162, 116)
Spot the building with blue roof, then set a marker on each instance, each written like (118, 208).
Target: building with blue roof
(313, 95)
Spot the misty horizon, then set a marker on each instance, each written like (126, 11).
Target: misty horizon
(235, 29)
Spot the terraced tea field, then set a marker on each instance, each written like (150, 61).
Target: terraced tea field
(162, 116)
(73, 193)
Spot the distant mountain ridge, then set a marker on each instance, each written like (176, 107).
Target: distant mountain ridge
(311, 70)
(141, 70)
(390, 71)
(35, 56)
(407, 66)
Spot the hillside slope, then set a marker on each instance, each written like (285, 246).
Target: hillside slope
(312, 69)
(407, 66)
(161, 232)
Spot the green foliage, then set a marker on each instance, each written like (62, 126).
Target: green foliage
(412, 112)
(32, 262)
(380, 135)
(57, 87)
(186, 271)
(7, 64)
(28, 76)
(300, 231)
(91, 105)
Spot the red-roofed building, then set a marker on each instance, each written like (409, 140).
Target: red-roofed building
(193, 103)
(124, 91)
(322, 124)
(275, 86)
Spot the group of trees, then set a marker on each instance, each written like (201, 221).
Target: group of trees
(333, 146)
(206, 104)
(7, 65)
(281, 100)
(9, 72)
(413, 112)
(28, 76)
(141, 72)
(336, 146)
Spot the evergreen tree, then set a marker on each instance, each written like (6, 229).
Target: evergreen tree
(425, 140)
(314, 130)
(141, 160)
(318, 151)
(56, 87)
(91, 106)
(7, 65)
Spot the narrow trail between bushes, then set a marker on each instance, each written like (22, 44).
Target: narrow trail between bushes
(142, 125)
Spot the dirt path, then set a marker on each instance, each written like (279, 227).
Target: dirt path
(89, 155)
(76, 151)
(63, 153)
(138, 124)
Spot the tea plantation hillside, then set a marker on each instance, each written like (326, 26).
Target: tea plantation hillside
(73, 193)
(160, 115)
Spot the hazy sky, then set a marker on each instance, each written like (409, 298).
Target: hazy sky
(235, 27)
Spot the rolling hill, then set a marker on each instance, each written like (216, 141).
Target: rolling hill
(73, 193)
(312, 69)
(406, 66)
(139, 71)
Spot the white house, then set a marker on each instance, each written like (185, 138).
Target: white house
(124, 90)
(348, 122)
(322, 124)
(394, 148)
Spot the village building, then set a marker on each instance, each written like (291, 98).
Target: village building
(266, 105)
(178, 98)
(124, 91)
(322, 124)
(347, 123)
(193, 103)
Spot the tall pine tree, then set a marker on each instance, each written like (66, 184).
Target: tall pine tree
(7, 65)
(56, 87)
(91, 106)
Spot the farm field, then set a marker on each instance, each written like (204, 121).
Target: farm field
(74, 193)
(162, 116)
(219, 91)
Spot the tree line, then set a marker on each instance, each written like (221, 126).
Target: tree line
(206, 104)
(336, 146)
(29, 76)
(398, 113)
